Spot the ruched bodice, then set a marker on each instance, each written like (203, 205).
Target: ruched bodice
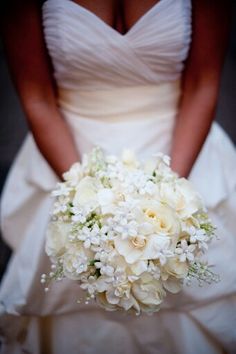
(89, 54)
(111, 86)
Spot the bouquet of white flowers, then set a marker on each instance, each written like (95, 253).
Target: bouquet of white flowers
(128, 231)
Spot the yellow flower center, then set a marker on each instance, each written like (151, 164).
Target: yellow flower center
(138, 242)
(151, 214)
(163, 225)
(161, 221)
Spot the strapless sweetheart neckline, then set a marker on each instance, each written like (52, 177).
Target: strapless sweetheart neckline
(144, 16)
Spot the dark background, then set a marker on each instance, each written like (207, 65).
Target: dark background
(13, 125)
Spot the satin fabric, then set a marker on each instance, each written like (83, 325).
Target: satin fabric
(116, 91)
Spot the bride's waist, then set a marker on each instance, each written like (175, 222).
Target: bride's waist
(122, 104)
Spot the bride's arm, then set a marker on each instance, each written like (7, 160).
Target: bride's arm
(32, 75)
(200, 81)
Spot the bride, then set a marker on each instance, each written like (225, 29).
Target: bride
(136, 74)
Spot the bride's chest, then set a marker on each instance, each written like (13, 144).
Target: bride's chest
(80, 41)
(118, 14)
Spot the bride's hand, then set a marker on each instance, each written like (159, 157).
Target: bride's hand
(32, 75)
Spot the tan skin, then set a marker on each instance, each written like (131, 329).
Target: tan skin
(32, 75)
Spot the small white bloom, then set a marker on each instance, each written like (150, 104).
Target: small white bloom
(154, 270)
(185, 251)
(198, 236)
(62, 190)
(162, 158)
(76, 261)
(74, 175)
(105, 269)
(89, 236)
(89, 284)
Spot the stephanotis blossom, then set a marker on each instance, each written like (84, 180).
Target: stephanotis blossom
(128, 231)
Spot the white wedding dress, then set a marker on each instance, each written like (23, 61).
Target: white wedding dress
(116, 91)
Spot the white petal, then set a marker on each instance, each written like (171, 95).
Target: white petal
(111, 298)
(139, 267)
(126, 249)
(172, 285)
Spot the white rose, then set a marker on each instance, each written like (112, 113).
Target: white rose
(56, 238)
(163, 218)
(76, 260)
(86, 192)
(131, 248)
(156, 245)
(172, 284)
(148, 291)
(176, 268)
(110, 304)
(165, 227)
(102, 301)
(181, 196)
(141, 248)
(115, 294)
(113, 298)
